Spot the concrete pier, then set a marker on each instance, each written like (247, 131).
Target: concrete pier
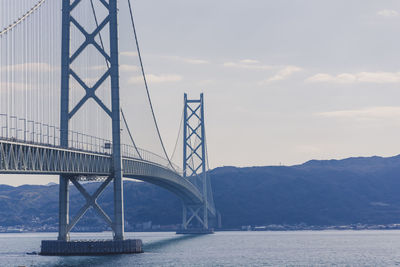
(90, 247)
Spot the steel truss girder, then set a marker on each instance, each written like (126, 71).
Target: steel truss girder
(142, 170)
(24, 158)
(35, 159)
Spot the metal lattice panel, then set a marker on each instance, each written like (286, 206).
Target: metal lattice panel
(34, 159)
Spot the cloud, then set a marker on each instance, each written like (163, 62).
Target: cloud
(249, 61)
(194, 61)
(31, 67)
(14, 85)
(153, 78)
(188, 60)
(129, 68)
(248, 64)
(324, 77)
(98, 67)
(89, 81)
(388, 13)
(122, 67)
(284, 73)
(205, 82)
(365, 113)
(129, 53)
(361, 77)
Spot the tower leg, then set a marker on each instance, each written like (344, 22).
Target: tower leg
(118, 209)
(193, 220)
(205, 216)
(184, 216)
(63, 234)
(116, 127)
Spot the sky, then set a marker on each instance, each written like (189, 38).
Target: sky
(284, 81)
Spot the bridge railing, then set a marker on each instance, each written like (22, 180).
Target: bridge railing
(27, 131)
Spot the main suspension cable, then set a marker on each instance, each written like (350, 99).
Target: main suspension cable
(146, 86)
(97, 25)
(22, 18)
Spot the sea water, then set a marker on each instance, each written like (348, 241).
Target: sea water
(291, 248)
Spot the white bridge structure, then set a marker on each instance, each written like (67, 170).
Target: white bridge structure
(61, 112)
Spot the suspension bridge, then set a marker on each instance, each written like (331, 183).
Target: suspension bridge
(63, 93)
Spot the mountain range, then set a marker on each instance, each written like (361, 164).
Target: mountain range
(364, 190)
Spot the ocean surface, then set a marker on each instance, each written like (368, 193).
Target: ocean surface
(293, 248)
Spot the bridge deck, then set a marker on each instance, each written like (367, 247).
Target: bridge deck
(27, 158)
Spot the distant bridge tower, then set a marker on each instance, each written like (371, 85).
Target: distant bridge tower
(111, 58)
(195, 217)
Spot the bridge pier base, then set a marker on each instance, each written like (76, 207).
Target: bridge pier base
(64, 247)
(195, 220)
(195, 231)
(90, 247)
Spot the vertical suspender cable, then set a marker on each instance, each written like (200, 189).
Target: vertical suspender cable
(130, 135)
(179, 134)
(97, 25)
(108, 66)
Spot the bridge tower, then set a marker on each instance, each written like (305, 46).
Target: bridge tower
(195, 217)
(111, 58)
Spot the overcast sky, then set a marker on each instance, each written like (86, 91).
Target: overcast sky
(285, 81)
